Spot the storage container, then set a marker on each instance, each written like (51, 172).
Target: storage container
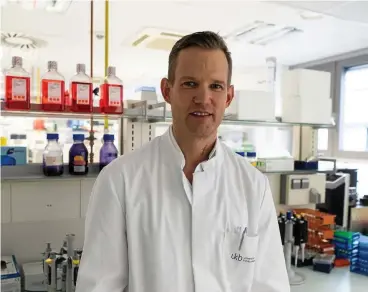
(306, 96)
(53, 89)
(111, 99)
(252, 105)
(17, 86)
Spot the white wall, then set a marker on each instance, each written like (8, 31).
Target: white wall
(40, 211)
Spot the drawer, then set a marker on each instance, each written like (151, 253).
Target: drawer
(45, 200)
(5, 203)
(86, 190)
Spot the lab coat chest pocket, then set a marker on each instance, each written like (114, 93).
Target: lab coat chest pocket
(240, 258)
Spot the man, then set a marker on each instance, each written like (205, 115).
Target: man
(184, 213)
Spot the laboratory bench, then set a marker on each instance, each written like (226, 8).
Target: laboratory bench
(339, 280)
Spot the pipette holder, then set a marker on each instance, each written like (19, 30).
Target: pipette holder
(67, 261)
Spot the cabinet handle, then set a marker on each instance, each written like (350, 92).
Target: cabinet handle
(48, 205)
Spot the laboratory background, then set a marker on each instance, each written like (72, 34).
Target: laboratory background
(80, 87)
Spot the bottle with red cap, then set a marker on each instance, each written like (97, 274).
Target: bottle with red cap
(17, 86)
(80, 95)
(53, 88)
(111, 99)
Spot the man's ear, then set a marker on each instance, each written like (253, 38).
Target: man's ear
(165, 89)
(230, 95)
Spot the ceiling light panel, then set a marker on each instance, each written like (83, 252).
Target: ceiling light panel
(156, 39)
(261, 33)
(281, 33)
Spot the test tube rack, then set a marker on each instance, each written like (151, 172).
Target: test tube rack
(320, 230)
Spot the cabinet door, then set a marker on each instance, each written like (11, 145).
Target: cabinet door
(5, 203)
(45, 200)
(86, 190)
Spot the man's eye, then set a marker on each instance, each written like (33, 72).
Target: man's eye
(189, 84)
(216, 86)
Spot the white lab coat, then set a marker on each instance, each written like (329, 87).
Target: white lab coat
(149, 230)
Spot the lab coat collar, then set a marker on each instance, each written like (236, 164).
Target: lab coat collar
(215, 155)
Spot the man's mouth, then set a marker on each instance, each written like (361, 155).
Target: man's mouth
(200, 114)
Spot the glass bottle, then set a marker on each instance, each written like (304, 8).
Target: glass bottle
(252, 158)
(78, 156)
(111, 99)
(108, 151)
(80, 95)
(17, 86)
(53, 157)
(53, 88)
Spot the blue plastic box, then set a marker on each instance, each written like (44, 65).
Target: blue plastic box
(13, 155)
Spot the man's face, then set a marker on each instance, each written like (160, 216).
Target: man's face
(200, 93)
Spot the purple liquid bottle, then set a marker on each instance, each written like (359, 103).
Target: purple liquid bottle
(78, 156)
(108, 151)
(53, 157)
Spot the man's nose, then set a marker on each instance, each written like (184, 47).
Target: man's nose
(202, 95)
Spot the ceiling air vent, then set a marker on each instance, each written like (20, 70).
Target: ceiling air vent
(155, 39)
(58, 6)
(21, 41)
(261, 33)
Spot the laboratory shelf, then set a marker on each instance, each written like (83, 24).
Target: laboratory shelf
(36, 112)
(300, 172)
(33, 171)
(158, 116)
(276, 123)
(141, 111)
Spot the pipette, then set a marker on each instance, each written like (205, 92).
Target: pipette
(281, 221)
(297, 238)
(304, 235)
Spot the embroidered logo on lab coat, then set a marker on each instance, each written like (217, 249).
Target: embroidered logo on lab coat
(240, 258)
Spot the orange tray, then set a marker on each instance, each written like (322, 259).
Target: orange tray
(342, 263)
(316, 218)
(325, 233)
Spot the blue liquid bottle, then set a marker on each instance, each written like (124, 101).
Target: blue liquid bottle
(108, 151)
(78, 156)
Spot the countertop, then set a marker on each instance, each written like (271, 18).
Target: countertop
(339, 280)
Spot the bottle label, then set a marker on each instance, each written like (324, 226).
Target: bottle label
(53, 160)
(79, 164)
(54, 92)
(115, 95)
(83, 93)
(19, 89)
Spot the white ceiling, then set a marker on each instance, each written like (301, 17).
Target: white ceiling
(68, 34)
(347, 10)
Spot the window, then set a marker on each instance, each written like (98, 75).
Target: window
(353, 110)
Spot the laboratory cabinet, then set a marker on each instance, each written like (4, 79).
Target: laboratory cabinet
(45, 201)
(5, 203)
(86, 190)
